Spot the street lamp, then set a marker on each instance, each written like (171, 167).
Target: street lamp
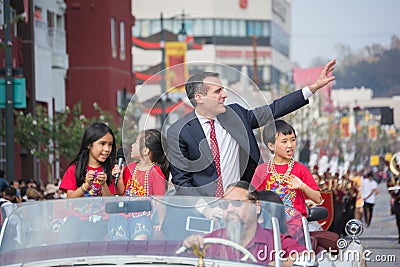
(9, 93)
(182, 34)
(181, 38)
(163, 86)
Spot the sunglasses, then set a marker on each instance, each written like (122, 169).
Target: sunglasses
(235, 203)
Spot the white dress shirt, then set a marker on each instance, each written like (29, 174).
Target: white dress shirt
(228, 150)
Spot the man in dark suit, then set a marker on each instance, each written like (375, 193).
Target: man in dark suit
(193, 168)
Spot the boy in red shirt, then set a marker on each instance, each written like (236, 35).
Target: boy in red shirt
(291, 180)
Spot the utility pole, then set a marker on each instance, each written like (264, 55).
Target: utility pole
(255, 65)
(9, 93)
(163, 85)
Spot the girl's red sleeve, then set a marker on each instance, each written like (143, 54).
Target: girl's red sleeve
(157, 181)
(68, 181)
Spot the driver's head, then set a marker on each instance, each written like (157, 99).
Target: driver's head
(249, 189)
(245, 204)
(241, 207)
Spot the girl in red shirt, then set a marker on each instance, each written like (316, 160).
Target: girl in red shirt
(90, 172)
(145, 177)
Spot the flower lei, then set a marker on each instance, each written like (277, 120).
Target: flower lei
(133, 187)
(272, 168)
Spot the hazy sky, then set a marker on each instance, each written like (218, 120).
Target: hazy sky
(319, 25)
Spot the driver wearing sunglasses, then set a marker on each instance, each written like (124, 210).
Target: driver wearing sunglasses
(240, 210)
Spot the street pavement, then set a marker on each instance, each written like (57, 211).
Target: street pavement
(381, 237)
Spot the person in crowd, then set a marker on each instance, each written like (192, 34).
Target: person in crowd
(242, 227)
(31, 183)
(145, 177)
(90, 172)
(349, 200)
(214, 145)
(3, 181)
(17, 185)
(52, 192)
(291, 180)
(394, 191)
(8, 198)
(32, 194)
(359, 206)
(369, 191)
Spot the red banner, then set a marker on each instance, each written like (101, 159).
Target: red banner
(344, 127)
(328, 204)
(176, 72)
(372, 132)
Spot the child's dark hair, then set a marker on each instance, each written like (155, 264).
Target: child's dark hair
(152, 139)
(93, 132)
(269, 133)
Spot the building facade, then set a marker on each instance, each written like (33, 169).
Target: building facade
(100, 59)
(40, 40)
(252, 38)
(70, 52)
(231, 32)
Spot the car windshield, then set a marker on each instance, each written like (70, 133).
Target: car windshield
(132, 229)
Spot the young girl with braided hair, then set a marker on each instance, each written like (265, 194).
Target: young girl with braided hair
(145, 177)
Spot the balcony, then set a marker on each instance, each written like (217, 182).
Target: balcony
(52, 40)
(41, 36)
(57, 40)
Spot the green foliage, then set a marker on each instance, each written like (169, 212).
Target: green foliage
(69, 134)
(130, 123)
(61, 135)
(19, 17)
(108, 118)
(35, 132)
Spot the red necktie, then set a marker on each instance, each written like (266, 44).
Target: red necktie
(219, 192)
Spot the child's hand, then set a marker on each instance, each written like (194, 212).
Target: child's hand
(89, 178)
(102, 178)
(116, 170)
(294, 182)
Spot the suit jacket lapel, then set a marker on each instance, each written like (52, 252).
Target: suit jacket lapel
(198, 136)
(233, 124)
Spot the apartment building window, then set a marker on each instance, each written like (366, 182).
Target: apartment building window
(50, 20)
(201, 27)
(206, 27)
(256, 28)
(122, 51)
(113, 38)
(60, 22)
(280, 39)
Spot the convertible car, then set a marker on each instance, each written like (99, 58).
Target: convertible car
(119, 231)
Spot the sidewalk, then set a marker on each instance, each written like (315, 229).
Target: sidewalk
(381, 238)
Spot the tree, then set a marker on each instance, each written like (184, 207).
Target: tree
(49, 138)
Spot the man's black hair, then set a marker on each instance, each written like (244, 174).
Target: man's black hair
(270, 132)
(195, 85)
(269, 196)
(10, 191)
